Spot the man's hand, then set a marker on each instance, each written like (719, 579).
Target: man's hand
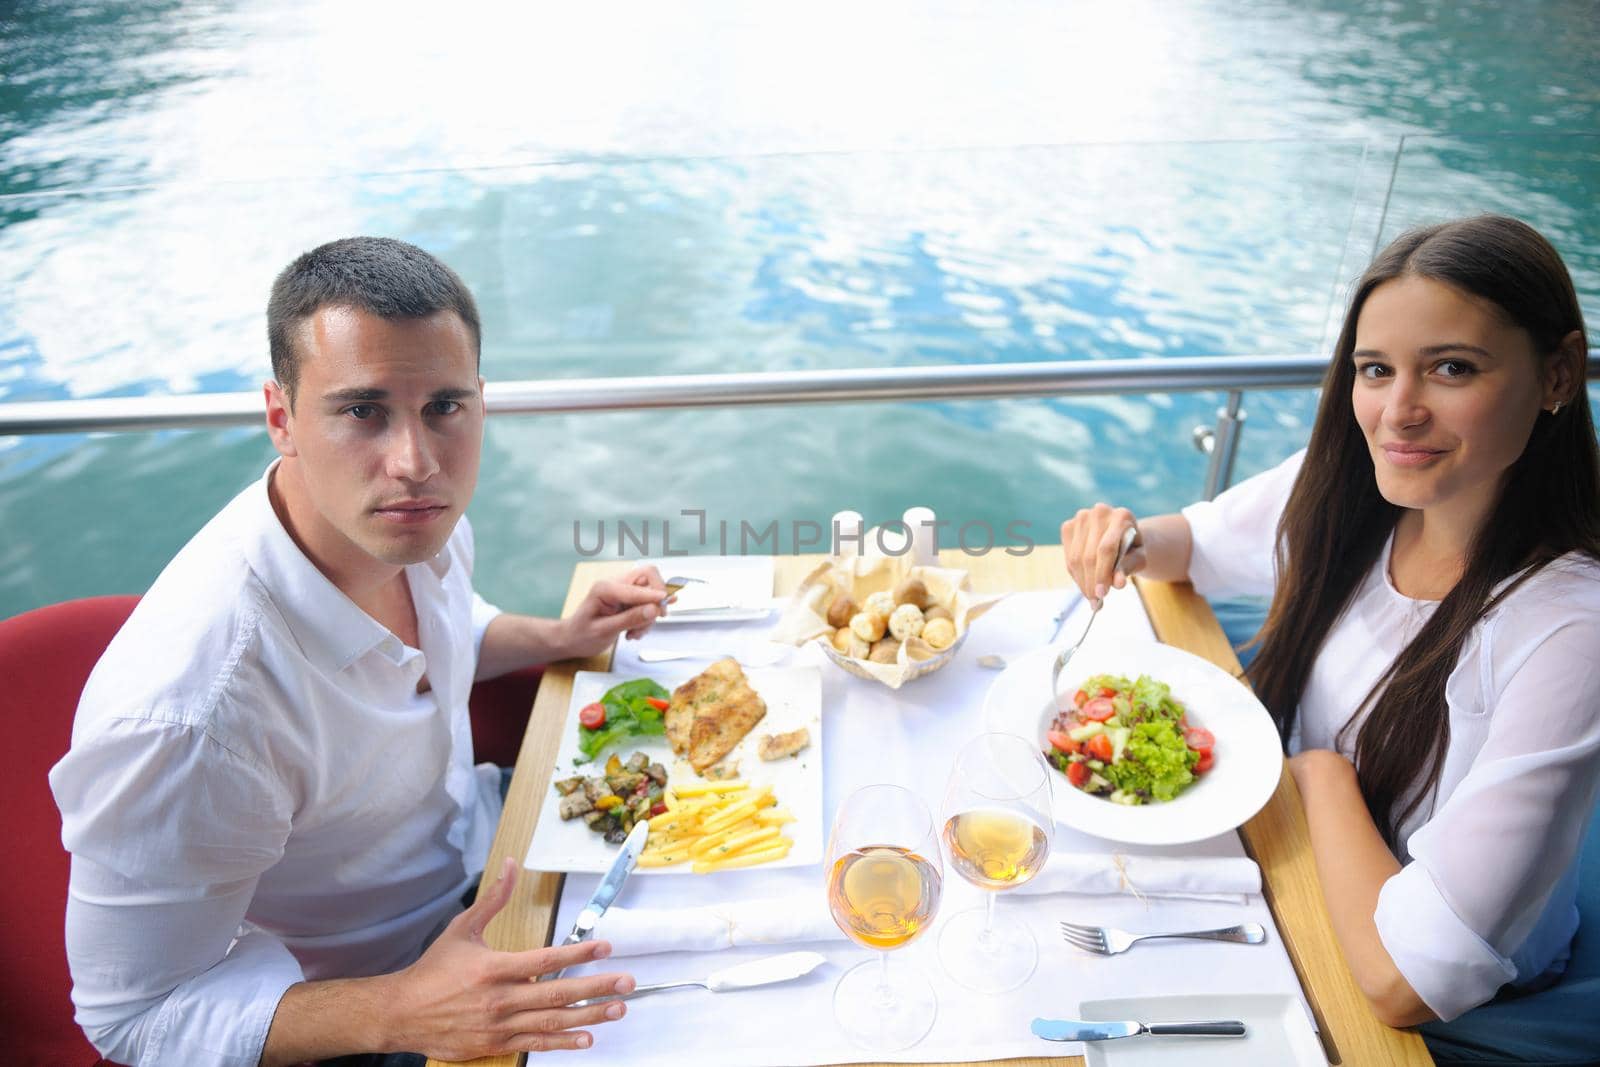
(463, 1000)
(629, 604)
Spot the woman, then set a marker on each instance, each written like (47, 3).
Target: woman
(1432, 652)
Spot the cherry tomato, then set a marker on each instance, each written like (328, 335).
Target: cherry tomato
(1099, 746)
(1107, 692)
(1098, 710)
(1199, 738)
(1077, 774)
(1080, 698)
(1063, 742)
(657, 703)
(1206, 760)
(592, 716)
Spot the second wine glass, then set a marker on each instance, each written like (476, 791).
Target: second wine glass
(997, 831)
(884, 881)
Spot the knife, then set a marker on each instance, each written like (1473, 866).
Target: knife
(1074, 1030)
(765, 971)
(1061, 617)
(607, 890)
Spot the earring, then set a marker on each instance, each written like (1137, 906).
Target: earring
(1557, 408)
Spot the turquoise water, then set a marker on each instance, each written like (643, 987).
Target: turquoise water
(717, 187)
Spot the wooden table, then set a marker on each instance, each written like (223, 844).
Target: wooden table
(1276, 837)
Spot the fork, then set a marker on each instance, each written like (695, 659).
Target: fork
(1108, 940)
(1094, 613)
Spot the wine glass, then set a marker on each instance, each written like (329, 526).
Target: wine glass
(997, 827)
(884, 880)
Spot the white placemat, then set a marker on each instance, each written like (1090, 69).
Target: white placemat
(909, 737)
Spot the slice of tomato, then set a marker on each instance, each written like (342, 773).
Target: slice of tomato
(1080, 698)
(1107, 692)
(1099, 746)
(1199, 738)
(1062, 741)
(657, 703)
(1206, 760)
(1078, 774)
(592, 716)
(1099, 709)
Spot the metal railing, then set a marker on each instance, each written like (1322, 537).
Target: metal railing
(1230, 374)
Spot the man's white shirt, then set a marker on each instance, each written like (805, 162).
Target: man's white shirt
(257, 794)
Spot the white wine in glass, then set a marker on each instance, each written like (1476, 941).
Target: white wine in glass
(884, 883)
(997, 825)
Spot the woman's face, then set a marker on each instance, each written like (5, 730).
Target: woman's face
(1446, 392)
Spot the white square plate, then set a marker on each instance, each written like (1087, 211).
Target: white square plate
(731, 588)
(1277, 1032)
(794, 699)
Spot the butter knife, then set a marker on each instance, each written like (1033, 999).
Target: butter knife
(1075, 1030)
(765, 971)
(622, 866)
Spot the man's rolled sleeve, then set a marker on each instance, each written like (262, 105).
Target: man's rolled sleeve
(483, 613)
(1448, 965)
(170, 832)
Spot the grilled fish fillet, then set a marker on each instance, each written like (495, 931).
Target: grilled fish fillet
(711, 713)
(777, 746)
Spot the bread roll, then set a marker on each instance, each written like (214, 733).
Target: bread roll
(880, 604)
(867, 626)
(940, 633)
(906, 621)
(840, 610)
(912, 591)
(885, 651)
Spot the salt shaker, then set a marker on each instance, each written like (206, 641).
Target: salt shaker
(845, 535)
(919, 524)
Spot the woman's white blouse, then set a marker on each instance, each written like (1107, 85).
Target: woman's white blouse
(1488, 888)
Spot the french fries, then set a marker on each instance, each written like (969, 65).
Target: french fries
(717, 826)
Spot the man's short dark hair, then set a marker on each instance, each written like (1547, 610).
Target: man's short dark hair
(379, 275)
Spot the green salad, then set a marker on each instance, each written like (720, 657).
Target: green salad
(632, 709)
(1129, 741)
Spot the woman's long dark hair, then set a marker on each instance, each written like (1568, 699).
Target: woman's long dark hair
(1336, 522)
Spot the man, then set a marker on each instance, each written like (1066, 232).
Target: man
(270, 798)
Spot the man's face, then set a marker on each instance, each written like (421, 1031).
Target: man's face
(381, 448)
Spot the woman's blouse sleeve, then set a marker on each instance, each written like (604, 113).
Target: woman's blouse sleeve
(1484, 867)
(1233, 535)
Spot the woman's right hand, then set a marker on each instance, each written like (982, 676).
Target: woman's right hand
(1090, 539)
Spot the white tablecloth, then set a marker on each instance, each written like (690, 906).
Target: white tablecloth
(908, 737)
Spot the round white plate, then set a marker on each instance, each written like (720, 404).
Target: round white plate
(1249, 757)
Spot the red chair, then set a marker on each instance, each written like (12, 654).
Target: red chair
(45, 658)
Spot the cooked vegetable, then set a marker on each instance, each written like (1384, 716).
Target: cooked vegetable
(612, 802)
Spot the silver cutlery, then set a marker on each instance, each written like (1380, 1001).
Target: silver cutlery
(751, 656)
(676, 583)
(1108, 940)
(1076, 1030)
(1094, 612)
(1060, 618)
(766, 971)
(626, 859)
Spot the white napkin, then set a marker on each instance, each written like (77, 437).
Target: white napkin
(805, 917)
(1223, 879)
(712, 927)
